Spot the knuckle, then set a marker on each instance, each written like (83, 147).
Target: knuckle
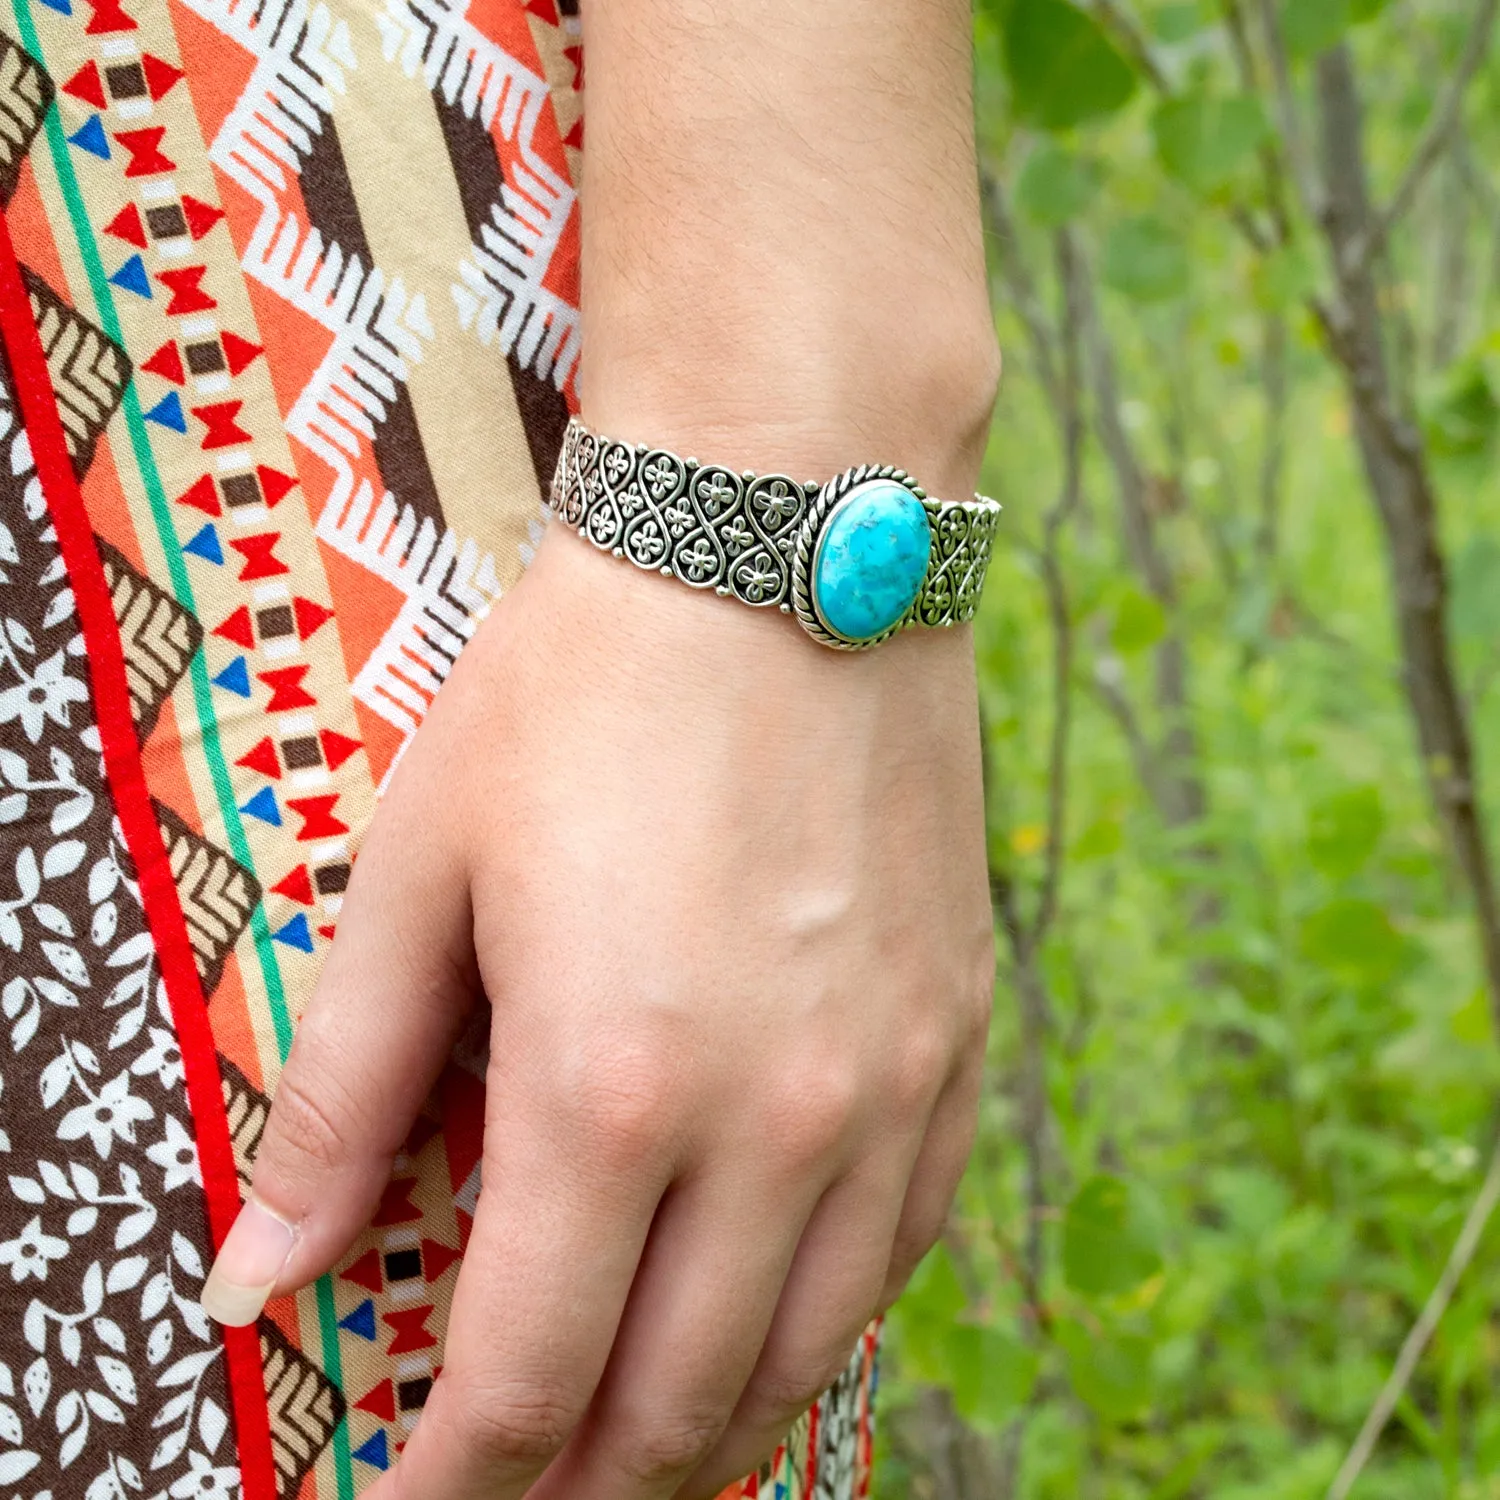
(625, 1117)
(515, 1428)
(812, 1113)
(309, 1127)
(659, 1451)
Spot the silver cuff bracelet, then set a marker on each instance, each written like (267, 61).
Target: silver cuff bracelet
(855, 559)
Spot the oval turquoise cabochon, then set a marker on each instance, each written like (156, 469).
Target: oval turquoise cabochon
(870, 560)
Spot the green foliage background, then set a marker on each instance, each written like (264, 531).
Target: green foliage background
(1267, 1076)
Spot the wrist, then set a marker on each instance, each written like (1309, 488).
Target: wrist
(853, 393)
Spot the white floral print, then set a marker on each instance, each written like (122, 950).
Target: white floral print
(109, 1115)
(28, 1254)
(204, 1481)
(44, 694)
(177, 1156)
(163, 1057)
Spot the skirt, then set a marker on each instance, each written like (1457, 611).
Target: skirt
(289, 316)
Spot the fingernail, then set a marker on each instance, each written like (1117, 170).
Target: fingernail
(255, 1250)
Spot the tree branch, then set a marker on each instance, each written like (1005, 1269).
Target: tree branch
(1130, 479)
(1421, 1332)
(1440, 126)
(1270, 159)
(1109, 676)
(1027, 937)
(1303, 172)
(1396, 467)
(1183, 791)
(1070, 420)
(1127, 31)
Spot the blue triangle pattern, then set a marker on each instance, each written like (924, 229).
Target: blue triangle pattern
(295, 934)
(235, 678)
(263, 806)
(205, 544)
(61, 6)
(168, 413)
(90, 137)
(362, 1320)
(132, 277)
(374, 1452)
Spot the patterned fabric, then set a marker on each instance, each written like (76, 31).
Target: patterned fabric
(250, 250)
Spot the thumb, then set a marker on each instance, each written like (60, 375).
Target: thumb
(387, 1009)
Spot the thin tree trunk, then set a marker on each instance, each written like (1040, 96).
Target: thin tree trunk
(1183, 798)
(1395, 463)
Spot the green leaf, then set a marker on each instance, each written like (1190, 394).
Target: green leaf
(1361, 11)
(1343, 830)
(1062, 68)
(1354, 939)
(1472, 1023)
(1145, 260)
(1109, 1372)
(925, 1316)
(1099, 840)
(1111, 1237)
(1139, 623)
(992, 1374)
(1313, 26)
(1204, 140)
(1465, 417)
(1056, 185)
(934, 1291)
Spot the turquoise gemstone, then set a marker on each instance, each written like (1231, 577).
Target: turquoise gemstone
(870, 560)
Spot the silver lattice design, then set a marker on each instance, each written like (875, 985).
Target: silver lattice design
(752, 537)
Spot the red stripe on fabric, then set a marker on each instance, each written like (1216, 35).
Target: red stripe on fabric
(811, 1477)
(865, 1455)
(132, 801)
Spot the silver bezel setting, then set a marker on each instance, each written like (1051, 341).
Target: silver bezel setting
(834, 495)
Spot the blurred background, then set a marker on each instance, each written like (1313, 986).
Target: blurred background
(1227, 1229)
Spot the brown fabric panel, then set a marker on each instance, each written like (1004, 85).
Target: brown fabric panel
(103, 1229)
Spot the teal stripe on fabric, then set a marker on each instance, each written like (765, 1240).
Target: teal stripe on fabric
(333, 1367)
(198, 670)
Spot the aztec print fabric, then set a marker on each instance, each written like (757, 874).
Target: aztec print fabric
(288, 308)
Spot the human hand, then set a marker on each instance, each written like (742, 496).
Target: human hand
(726, 893)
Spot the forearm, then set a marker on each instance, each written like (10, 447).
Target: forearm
(782, 262)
